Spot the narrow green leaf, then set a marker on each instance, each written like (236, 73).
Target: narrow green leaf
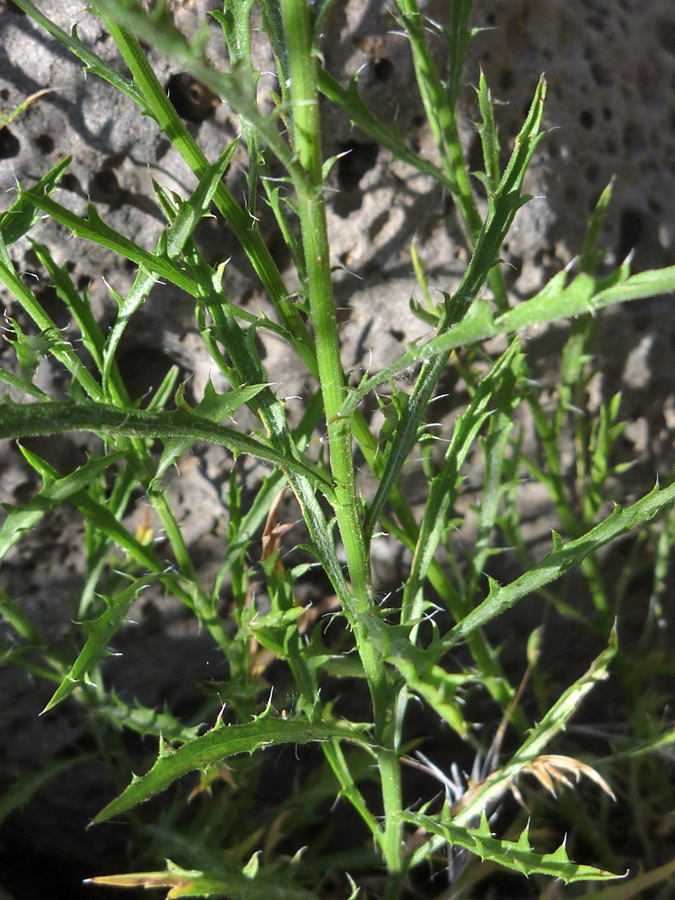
(194, 209)
(557, 717)
(350, 101)
(458, 42)
(219, 743)
(62, 350)
(49, 418)
(94, 229)
(490, 790)
(516, 855)
(213, 407)
(140, 290)
(439, 688)
(636, 887)
(151, 97)
(31, 348)
(192, 883)
(234, 86)
(443, 487)
(165, 391)
(22, 215)
(564, 556)
(7, 118)
(92, 62)
(102, 520)
(554, 302)
(100, 632)
(488, 135)
(502, 208)
(26, 388)
(590, 257)
(144, 720)
(53, 494)
(429, 312)
(423, 314)
(79, 307)
(16, 617)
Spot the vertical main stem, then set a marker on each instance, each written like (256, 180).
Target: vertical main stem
(359, 608)
(311, 207)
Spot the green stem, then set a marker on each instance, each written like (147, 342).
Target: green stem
(311, 207)
(358, 606)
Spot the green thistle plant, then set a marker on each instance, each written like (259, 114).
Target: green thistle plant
(400, 651)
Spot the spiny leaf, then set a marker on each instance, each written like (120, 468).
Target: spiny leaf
(192, 883)
(458, 37)
(94, 229)
(50, 418)
(194, 209)
(516, 855)
(439, 688)
(54, 492)
(30, 348)
(220, 743)
(492, 788)
(144, 719)
(22, 215)
(488, 135)
(100, 632)
(563, 557)
(214, 407)
(635, 887)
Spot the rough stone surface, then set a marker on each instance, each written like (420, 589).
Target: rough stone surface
(610, 66)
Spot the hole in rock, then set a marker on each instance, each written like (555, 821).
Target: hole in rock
(665, 34)
(378, 224)
(105, 188)
(71, 182)
(191, 99)
(9, 144)
(53, 305)
(143, 369)
(587, 119)
(383, 69)
(351, 167)
(601, 76)
(32, 260)
(630, 232)
(513, 270)
(506, 80)
(592, 175)
(44, 143)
